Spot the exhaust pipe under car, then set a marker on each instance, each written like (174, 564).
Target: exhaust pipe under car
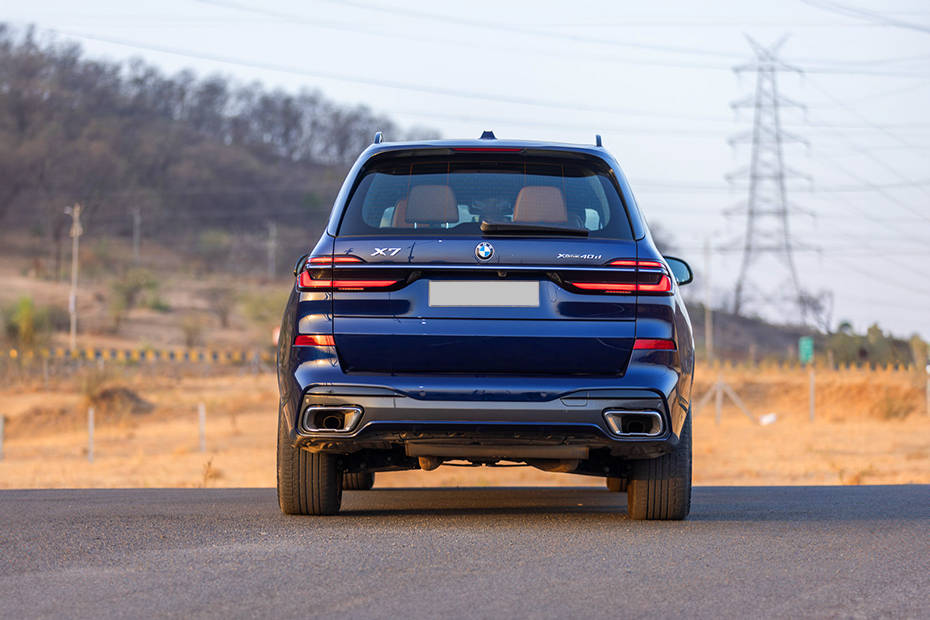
(330, 419)
(634, 423)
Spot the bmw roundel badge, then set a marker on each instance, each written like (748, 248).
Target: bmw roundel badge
(484, 251)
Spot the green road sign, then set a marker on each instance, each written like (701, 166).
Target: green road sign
(806, 349)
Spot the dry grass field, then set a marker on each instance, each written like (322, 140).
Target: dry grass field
(870, 428)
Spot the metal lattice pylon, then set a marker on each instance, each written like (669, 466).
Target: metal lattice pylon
(767, 208)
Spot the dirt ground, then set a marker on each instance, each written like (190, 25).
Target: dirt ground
(870, 427)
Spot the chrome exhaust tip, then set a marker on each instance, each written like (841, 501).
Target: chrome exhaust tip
(330, 419)
(634, 423)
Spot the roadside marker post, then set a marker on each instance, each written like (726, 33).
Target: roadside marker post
(90, 434)
(2, 420)
(806, 357)
(202, 420)
(812, 394)
(928, 389)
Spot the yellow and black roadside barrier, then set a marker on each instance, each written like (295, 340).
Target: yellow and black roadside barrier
(203, 356)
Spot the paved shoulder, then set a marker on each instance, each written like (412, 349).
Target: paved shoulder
(766, 551)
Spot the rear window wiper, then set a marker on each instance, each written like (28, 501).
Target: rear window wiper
(514, 228)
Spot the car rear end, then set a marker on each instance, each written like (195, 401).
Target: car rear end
(485, 303)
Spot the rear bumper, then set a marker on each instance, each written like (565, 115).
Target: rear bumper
(392, 418)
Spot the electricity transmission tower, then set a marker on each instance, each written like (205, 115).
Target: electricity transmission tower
(767, 272)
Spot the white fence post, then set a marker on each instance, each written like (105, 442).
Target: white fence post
(90, 434)
(202, 419)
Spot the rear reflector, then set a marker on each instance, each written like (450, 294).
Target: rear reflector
(314, 340)
(655, 344)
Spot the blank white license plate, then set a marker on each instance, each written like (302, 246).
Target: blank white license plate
(482, 293)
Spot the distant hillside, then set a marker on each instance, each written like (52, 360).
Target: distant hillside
(740, 338)
(744, 338)
(208, 162)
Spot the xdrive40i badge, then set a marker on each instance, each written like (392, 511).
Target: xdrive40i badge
(581, 256)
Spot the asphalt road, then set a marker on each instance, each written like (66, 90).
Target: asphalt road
(528, 552)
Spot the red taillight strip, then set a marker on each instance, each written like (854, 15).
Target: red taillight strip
(664, 285)
(363, 283)
(654, 344)
(305, 281)
(314, 340)
(323, 261)
(629, 262)
(627, 287)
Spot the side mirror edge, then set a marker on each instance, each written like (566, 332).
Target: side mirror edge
(680, 269)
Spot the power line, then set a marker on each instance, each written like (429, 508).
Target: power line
(342, 77)
(883, 128)
(504, 27)
(865, 14)
(458, 93)
(671, 186)
(450, 19)
(884, 192)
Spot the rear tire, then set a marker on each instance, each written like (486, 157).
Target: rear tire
(617, 485)
(660, 488)
(309, 483)
(359, 481)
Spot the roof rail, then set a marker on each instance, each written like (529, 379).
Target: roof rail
(597, 140)
(379, 138)
(487, 134)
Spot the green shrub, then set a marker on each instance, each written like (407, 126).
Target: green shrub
(213, 247)
(28, 326)
(192, 327)
(265, 308)
(130, 289)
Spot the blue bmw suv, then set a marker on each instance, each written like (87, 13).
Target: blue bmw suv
(486, 301)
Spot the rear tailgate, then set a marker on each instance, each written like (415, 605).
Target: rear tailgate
(448, 311)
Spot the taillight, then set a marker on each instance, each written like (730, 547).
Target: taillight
(627, 262)
(633, 276)
(664, 285)
(324, 261)
(659, 344)
(319, 274)
(314, 340)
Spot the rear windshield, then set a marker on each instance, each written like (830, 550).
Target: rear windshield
(452, 195)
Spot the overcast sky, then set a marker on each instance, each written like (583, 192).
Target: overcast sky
(654, 79)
